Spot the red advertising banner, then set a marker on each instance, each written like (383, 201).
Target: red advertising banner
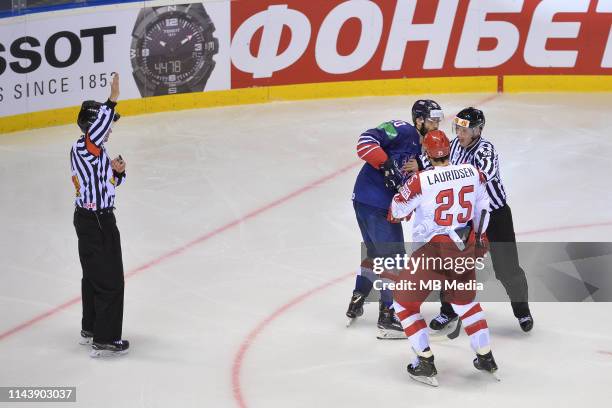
(295, 41)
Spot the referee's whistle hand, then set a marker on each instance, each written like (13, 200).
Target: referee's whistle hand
(118, 164)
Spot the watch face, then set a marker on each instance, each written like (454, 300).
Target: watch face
(174, 50)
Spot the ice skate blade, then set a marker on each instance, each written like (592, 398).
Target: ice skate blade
(431, 381)
(85, 341)
(450, 332)
(350, 321)
(390, 335)
(492, 374)
(106, 353)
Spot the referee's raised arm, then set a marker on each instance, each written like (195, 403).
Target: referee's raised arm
(96, 132)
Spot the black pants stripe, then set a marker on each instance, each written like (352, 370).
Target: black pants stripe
(102, 286)
(504, 257)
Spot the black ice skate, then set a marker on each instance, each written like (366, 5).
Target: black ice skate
(441, 321)
(116, 348)
(423, 370)
(486, 362)
(355, 308)
(86, 338)
(444, 327)
(389, 327)
(526, 323)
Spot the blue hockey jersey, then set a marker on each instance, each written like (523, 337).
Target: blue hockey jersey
(401, 142)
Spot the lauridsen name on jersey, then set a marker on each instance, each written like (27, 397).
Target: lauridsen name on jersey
(449, 175)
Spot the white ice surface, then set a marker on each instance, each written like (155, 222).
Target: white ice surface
(201, 291)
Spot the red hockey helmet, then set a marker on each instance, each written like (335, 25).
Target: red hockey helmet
(436, 144)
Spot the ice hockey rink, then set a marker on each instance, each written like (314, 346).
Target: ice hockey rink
(240, 246)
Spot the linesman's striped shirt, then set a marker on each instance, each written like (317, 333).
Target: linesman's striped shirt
(483, 156)
(92, 174)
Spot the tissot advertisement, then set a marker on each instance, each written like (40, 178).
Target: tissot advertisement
(50, 61)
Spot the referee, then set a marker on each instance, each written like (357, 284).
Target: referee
(95, 177)
(470, 147)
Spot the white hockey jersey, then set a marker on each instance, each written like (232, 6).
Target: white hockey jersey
(444, 199)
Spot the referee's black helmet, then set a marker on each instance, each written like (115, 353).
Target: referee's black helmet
(89, 113)
(470, 118)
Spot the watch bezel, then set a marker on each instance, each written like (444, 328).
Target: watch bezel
(146, 19)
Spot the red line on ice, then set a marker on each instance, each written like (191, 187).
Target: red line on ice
(40, 317)
(183, 248)
(250, 338)
(199, 240)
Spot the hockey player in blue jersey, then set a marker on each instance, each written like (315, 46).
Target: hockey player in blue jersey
(391, 153)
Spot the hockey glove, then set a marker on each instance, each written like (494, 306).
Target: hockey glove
(393, 176)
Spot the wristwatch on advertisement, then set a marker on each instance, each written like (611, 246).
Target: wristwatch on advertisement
(172, 49)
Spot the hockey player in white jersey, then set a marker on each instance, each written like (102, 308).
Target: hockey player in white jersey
(448, 203)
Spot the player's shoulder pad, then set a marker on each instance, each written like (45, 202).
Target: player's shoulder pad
(371, 132)
(395, 127)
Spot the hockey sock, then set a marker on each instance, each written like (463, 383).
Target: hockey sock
(414, 327)
(365, 277)
(363, 285)
(475, 326)
(386, 297)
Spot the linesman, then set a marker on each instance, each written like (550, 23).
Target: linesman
(470, 147)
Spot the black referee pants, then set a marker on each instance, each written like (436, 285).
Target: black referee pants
(504, 257)
(102, 285)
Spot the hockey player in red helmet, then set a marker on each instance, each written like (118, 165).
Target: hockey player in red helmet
(447, 201)
(436, 144)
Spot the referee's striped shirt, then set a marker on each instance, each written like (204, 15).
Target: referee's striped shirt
(483, 156)
(92, 174)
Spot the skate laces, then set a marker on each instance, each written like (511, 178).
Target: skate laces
(396, 319)
(442, 318)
